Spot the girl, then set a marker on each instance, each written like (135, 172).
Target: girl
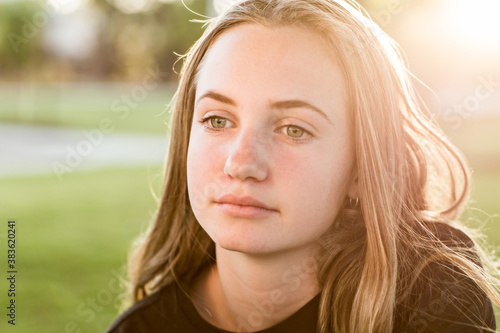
(305, 189)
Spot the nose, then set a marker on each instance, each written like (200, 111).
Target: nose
(247, 157)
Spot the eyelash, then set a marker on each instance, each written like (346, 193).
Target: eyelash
(203, 121)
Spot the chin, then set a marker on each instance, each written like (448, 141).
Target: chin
(242, 246)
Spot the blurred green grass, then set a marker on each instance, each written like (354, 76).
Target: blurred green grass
(85, 105)
(478, 138)
(72, 240)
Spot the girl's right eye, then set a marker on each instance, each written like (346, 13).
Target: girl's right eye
(215, 123)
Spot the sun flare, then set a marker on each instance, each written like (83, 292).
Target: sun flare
(475, 21)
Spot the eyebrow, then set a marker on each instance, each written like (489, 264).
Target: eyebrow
(280, 105)
(297, 103)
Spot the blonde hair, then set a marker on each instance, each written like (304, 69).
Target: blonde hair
(409, 176)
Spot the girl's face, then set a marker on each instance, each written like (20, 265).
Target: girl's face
(270, 153)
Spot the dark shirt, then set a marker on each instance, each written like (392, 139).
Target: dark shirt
(444, 301)
(170, 310)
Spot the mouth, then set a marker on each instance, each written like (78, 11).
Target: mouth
(245, 207)
(243, 201)
(249, 212)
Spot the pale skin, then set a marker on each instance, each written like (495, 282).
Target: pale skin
(270, 122)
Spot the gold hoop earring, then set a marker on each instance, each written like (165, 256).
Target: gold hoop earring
(354, 202)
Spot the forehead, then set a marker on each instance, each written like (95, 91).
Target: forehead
(281, 61)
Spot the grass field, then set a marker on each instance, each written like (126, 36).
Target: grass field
(85, 105)
(72, 241)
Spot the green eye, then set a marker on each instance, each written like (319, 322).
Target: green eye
(294, 131)
(217, 122)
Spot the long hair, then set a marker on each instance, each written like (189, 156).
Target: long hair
(409, 176)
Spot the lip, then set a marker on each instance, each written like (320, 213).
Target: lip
(246, 207)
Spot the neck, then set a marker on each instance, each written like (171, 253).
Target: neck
(248, 293)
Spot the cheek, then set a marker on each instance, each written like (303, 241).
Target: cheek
(314, 185)
(202, 163)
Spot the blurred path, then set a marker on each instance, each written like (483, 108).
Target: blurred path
(26, 149)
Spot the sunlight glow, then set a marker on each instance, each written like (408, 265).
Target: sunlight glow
(475, 22)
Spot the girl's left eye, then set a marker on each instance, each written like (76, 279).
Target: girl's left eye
(294, 131)
(295, 134)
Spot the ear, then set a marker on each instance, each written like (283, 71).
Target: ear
(353, 189)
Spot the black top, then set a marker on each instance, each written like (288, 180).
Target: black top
(170, 310)
(443, 301)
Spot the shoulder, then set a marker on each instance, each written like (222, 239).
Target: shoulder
(151, 314)
(449, 234)
(440, 232)
(443, 298)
